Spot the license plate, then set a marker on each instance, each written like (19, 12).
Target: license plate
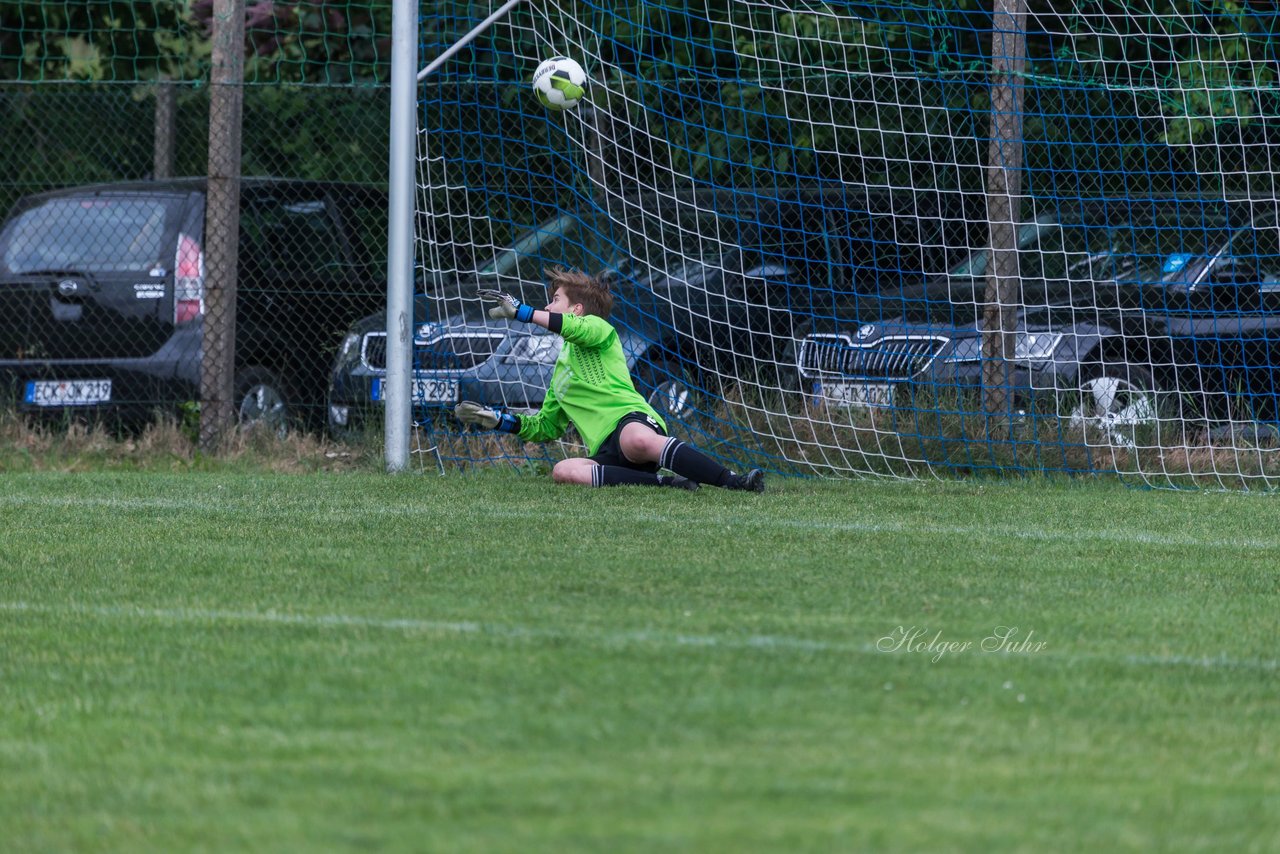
(855, 394)
(440, 390)
(67, 392)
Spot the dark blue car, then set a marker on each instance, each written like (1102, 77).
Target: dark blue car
(1215, 289)
(460, 354)
(1167, 317)
(920, 345)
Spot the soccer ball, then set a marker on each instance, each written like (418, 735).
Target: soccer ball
(559, 83)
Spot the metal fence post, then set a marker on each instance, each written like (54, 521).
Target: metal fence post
(222, 224)
(1004, 184)
(165, 129)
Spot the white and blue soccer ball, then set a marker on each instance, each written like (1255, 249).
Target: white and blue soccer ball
(559, 83)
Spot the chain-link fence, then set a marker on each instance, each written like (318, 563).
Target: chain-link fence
(1164, 118)
(103, 307)
(134, 249)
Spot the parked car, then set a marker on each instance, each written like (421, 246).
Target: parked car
(1158, 313)
(920, 344)
(1214, 285)
(468, 358)
(102, 294)
(460, 353)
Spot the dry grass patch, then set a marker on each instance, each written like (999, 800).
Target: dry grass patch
(166, 445)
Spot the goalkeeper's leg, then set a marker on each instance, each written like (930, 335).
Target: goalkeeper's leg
(642, 444)
(587, 472)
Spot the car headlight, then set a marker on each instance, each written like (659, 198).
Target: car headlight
(1036, 346)
(349, 352)
(964, 350)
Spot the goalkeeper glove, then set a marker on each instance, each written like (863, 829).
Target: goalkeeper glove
(486, 417)
(506, 306)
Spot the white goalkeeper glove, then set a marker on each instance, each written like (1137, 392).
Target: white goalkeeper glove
(486, 417)
(506, 307)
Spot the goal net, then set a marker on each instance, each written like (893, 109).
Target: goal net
(896, 239)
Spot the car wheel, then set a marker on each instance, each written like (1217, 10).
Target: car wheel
(342, 420)
(673, 398)
(672, 391)
(1119, 402)
(261, 402)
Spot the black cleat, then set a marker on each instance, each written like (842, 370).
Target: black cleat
(678, 482)
(752, 481)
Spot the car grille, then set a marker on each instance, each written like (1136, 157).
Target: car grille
(449, 353)
(891, 358)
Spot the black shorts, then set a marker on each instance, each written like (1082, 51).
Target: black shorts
(610, 452)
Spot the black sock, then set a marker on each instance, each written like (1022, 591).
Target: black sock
(688, 461)
(618, 475)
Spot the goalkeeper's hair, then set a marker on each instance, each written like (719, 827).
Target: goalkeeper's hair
(592, 292)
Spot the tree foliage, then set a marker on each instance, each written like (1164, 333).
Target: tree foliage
(1207, 59)
(122, 41)
(93, 41)
(1114, 86)
(318, 42)
(1196, 64)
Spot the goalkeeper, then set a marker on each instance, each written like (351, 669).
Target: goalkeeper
(591, 387)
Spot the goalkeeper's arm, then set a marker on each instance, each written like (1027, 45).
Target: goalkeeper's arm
(486, 417)
(586, 330)
(507, 307)
(550, 422)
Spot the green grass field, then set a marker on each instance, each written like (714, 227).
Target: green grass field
(248, 662)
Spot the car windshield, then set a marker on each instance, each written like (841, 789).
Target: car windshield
(689, 248)
(1179, 252)
(1046, 250)
(1161, 250)
(1257, 247)
(556, 241)
(1090, 251)
(90, 235)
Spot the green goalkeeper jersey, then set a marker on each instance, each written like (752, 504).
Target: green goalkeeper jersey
(590, 386)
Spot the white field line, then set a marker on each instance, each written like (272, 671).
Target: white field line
(264, 506)
(590, 637)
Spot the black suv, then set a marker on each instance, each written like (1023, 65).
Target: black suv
(102, 294)
(1214, 286)
(1146, 313)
